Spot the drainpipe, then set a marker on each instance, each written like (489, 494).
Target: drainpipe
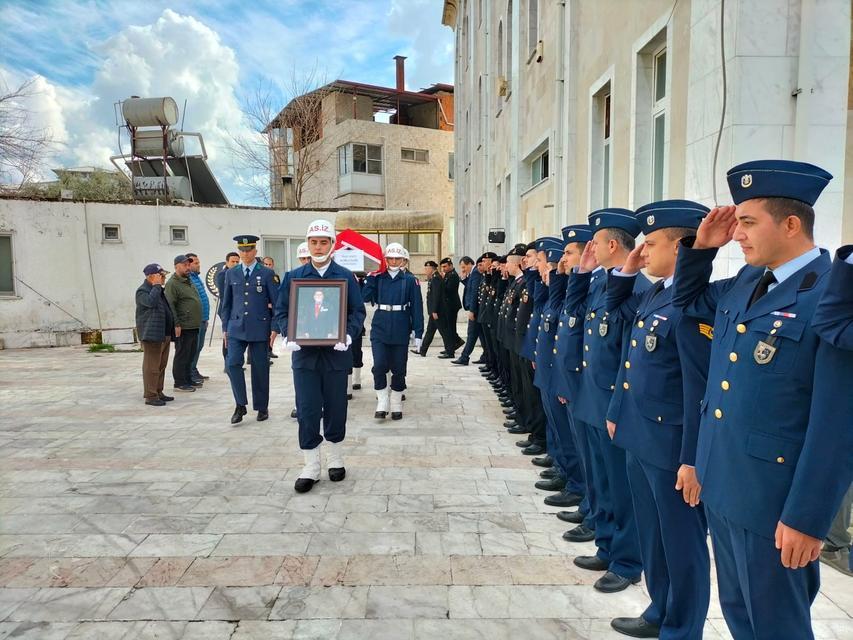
(804, 92)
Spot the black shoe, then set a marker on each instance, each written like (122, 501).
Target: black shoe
(574, 517)
(304, 485)
(612, 583)
(445, 356)
(166, 398)
(509, 424)
(155, 402)
(591, 563)
(349, 396)
(533, 450)
(272, 355)
(479, 361)
(550, 472)
(337, 474)
(551, 484)
(508, 411)
(544, 461)
(459, 343)
(197, 383)
(403, 397)
(263, 415)
(524, 444)
(356, 386)
(196, 374)
(485, 370)
(460, 361)
(518, 430)
(563, 499)
(396, 415)
(506, 404)
(238, 414)
(293, 413)
(184, 387)
(635, 627)
(511, 416)
(380, 415)
(579, 534)
(416, 352)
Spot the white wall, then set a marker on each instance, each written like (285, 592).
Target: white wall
(58, 252)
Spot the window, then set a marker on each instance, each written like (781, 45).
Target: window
(7, 277)
(451, 169)
(532, 25)
(178, 234)
(539, 168)
(111, 233)
(659, 126)
(360, 158)
(414, 155)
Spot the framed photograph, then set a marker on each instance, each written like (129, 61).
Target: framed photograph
(317, 315)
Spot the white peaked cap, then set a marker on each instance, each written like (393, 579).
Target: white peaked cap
(302, 251)
(320, 229)
(395, 250)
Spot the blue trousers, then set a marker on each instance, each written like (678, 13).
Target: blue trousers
(603, 514)
(320, 394)
(674, 547)
(202, 332)
(393, 358)
(560, 445)
(588, 505)
(475, 330)
(761, 599)
(260, 372)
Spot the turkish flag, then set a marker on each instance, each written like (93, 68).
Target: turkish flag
(373, 250)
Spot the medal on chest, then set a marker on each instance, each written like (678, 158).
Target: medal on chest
(603, 327)
(259, 288)
(572, 322)
(651, 342)
(764, 351)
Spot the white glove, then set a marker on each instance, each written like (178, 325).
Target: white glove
(291, 346)
(340, 346)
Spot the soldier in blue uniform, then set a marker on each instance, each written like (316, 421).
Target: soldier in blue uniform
(775, 449)
(320, 373)
(248, 295)
(397, 296)
(653, 416)
(613, 239)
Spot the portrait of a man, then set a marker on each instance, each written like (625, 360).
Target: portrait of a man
(318, 313)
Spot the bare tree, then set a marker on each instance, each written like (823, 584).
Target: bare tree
(23, 146)
(283, 152)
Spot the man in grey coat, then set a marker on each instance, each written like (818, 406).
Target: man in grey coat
(155, 326)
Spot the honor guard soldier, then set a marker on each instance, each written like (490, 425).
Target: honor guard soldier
(775, 450)
(653, 416)
(614, 232)
(399, 312)
(248, 297)
(320, 373)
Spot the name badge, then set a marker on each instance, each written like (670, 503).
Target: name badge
(763, 352)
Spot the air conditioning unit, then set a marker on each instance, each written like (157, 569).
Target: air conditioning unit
(502, 86)
(540, 51)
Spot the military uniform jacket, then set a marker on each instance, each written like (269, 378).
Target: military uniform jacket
(553, 294)
(450, 302)
(245, 311)
(656, 402)
(404, 290)
(471, 297)
(568, 341)
(483, 297)
(775, 438)
(508, 313)
(527, 316)
(325, 358)
(602, 345)
(833, 318)
(433, 296)
(499, 286)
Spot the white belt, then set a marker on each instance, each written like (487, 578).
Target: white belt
(393, 307)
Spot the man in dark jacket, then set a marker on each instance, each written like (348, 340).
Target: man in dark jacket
(472, 277)
(449, 309)
(186, 305)
(433, 303)
(154, 326)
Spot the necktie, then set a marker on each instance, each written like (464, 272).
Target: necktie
(316, 309)
(766, 280)
(247, 272)
(659, 286)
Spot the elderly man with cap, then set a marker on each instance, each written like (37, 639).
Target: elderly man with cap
(247, 301)
(653, 416)
(320, 372)
(433, 303)
(473, 273)
(154, 326)
(399, 312)
(614, 231)
(775, 450)
(448, 309)
(186, 306)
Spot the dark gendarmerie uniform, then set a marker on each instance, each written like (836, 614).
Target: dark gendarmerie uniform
(448, 310)
(433, 304)
(523, 350)
(775, 438)
(654, 408)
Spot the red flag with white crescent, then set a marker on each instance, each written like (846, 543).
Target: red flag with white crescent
(353, 239)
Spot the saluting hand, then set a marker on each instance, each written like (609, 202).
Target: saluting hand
(588, 261)
(634, 262)
(798, 549)
(717, 229)
(688, 484)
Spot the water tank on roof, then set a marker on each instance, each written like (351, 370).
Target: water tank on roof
(150, 112)
(149, 143)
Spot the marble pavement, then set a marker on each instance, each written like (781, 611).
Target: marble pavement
(119, 520)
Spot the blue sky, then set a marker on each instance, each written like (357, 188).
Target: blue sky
(88, 55)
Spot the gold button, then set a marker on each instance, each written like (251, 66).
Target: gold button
(627, 364)
(625, 385)
(655, 323)
(633, 343)
(586, 347)
(246, 293)
(741, 328)
(780, 459)
(583, 363)
(561, 323)
(640, 324)
(245, 313)
(718, 414)
(592, 314)
(772, 332)
(660, 419)
(725, 385)
(777, 324)
(577, 368)
(733, 356)
(555, 351)
(589, 331)
(612, 387)
(556, 337)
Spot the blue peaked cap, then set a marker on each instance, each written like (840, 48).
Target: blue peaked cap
(576, 233)
(614, 219)
(543, 243)
(777, 179)
(670, 213)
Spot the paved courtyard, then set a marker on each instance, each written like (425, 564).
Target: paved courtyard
(119, 520)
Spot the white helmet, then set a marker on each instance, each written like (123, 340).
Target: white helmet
(395, 250)
(405, 253)
(302, 251)
(320, 229)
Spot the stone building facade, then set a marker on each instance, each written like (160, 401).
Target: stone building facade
(568, 106)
